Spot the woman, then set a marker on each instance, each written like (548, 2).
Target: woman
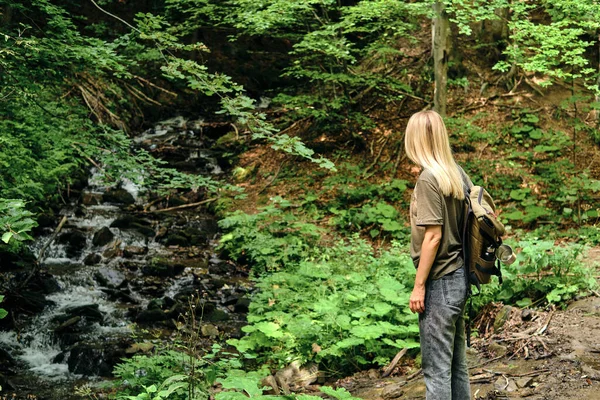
(440, 291)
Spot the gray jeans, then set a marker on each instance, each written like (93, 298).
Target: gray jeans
(442, 330)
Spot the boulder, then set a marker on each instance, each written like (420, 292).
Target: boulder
(92, 259)
(130, 222)
(75, 241)
(103, 237)
(151, 316)
(118, 196)
(109, 277)
(242, 305)
(132, 251)
(89, 311)
(177, 240)
(89, 359)
(91, 198)
(163, 268)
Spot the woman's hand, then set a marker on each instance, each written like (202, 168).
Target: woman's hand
(417, 299)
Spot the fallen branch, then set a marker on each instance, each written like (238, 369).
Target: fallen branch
(185, 205)
(388, 370)
(414, 375)
(56, 232)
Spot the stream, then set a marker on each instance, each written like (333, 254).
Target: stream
(114, 269)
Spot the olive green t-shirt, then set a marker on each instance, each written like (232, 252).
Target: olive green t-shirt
(428, 206)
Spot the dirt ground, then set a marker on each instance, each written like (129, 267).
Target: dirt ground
(547, 354)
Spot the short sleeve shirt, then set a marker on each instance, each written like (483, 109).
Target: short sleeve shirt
(428, 206)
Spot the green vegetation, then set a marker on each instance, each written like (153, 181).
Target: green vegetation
(326, 241)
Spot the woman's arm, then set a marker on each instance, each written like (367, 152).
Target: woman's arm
(429, 248)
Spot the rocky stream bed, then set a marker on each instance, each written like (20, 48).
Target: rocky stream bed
(109, 264)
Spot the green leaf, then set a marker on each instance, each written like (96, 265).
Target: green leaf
(6, 237)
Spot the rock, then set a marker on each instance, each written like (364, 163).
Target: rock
(502, 317)
(526, 314)
(6, 360)
(505, 385)
(209, 330)
(230, 300)
(132, 251)
(219, 268)
(111, 252)
(118, 196)
(151, 316)
(92, 259)
(30, 301)
(393, 391)
(120, 295)
(163, 268)
(94, 359)
(524, 382)
(157, 304)
(75, 241)
(497, 349)
(129, 222)
(89, 311)
(91, 198)
(109, 277)
(67, 325)
(218, 316)
(103, 237)
(242, 305)
(177, 240)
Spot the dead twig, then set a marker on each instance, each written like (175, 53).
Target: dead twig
(388, 370)
(414, 375)
(199, 203)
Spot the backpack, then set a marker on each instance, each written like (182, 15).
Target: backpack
(482, 235)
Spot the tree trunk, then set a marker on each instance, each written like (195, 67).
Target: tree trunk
(441, 49)
(6, 13)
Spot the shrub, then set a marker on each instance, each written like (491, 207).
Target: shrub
(342, 307)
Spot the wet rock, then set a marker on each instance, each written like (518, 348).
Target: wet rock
(92, 259)
(91, 198)
(230, 300)
(90, 311)
(75, 241)
(118, 196)
(31, 302)
(68, 325)
(111, 252)
(122, 295)
(242, 305)
(6, 384)
(6, 360)
(130, 222)
(94, 359)
(220, 268)
(109, 277)
(103, 237)
(132, 251)
(218, 316)
(163, 268)
(177, 240)
(157, 304)
(151, 316)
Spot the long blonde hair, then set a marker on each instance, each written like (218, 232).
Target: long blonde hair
(426, 143)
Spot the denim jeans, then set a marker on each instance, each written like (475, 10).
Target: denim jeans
(442, 331)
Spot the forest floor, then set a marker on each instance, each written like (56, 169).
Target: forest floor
(551, 354)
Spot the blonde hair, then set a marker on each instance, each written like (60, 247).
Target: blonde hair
(426, 143)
